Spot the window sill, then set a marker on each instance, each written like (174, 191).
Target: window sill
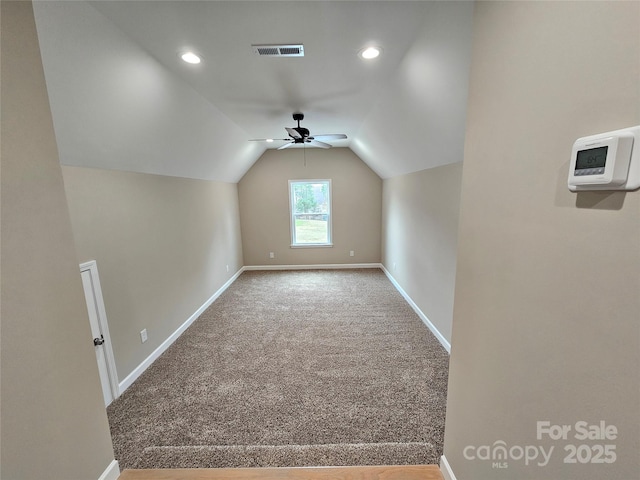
(312, 245)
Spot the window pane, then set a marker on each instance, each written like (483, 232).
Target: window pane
(312, 229)
(310, 211)
(311, 197)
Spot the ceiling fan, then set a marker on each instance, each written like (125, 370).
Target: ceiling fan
(301, 135)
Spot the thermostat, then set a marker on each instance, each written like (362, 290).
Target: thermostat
(607, 161)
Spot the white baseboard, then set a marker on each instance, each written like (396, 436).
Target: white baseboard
(126, 383)
(132, 377)
(445, 468)
(112, 472)
(445, 343)
(328, 266)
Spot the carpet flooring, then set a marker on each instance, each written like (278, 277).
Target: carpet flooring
(291, 368)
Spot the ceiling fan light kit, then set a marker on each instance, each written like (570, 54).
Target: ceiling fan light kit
(301, 135)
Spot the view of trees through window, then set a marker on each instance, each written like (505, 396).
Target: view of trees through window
(310, 212)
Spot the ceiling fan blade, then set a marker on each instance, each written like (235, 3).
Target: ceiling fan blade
(286, 145)
(292, 132)
(329, 136)
(316, 143)
(269, 139)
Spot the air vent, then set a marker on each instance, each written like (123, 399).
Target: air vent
(278, 50)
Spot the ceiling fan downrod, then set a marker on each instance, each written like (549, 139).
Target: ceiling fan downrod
(304, 133)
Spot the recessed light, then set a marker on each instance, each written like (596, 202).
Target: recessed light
(190, 57)
(269, 140)
(370, 53)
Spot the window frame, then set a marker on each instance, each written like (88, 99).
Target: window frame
(292, 228)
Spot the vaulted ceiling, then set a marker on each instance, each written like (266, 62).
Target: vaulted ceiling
(121, 97)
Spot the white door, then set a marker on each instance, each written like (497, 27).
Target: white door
(99, 331)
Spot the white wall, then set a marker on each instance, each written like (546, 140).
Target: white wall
(418, 120)
(54, 423)
(116, 107)
(546, 317)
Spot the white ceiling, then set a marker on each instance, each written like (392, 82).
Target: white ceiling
(121, 97)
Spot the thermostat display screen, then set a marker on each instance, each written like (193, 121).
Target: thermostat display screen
(592, 158)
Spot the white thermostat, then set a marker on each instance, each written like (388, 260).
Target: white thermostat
(607, 161)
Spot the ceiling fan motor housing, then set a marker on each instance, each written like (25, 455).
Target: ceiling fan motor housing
(304, 133)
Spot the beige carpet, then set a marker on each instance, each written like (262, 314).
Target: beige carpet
(296, 368)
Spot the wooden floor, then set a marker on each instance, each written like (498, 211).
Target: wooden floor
(399, 472)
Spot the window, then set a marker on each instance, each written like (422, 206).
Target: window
(310, 204)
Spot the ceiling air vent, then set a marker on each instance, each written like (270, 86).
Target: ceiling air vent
(278, 50)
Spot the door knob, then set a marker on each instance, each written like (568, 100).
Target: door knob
(98, 341)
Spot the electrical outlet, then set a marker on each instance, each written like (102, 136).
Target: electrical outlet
(143, 335)
(272, 255)
(394, 265)
(227, 268)
(351, 253)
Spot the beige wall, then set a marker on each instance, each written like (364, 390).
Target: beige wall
(53, 418)
(420, 238)
(142, 117)
(264, 207)
(546, 317)
(162, 245)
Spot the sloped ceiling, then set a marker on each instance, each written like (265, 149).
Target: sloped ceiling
(121, 98)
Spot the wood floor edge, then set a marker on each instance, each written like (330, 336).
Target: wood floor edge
(373, 472)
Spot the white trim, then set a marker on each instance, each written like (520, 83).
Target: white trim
(324, 266)
(126, 383)
(445, 468)
(445, 343)
(92, 267)
(112, 472)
